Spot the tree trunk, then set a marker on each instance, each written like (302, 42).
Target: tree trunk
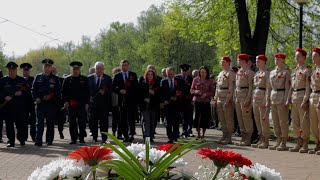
(253, 44)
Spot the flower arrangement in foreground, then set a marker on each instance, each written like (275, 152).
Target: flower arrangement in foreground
(229, 165)
(140, 162)
(137, 161)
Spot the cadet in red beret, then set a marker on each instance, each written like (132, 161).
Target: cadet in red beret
(302, 51)
(223, 99)
(279, 86)
(261, 94)
(298, 96)
(314, 100)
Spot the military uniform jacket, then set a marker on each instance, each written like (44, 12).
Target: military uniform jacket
(300, 84)
(100, 101)
(261, 83)
(9, 86)
(244, 84)
(75, 90)
(315, 85)
(130, 85)
(186, 83)
(225, 86)
(46, 85)
(280, 85)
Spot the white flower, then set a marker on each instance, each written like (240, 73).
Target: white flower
(259, 171)
(65, 168)
(135, 149)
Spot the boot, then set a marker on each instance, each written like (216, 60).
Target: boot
(246, 140)
(243, 134)
(265, 143)
(298, 145)
(283, 145)
(274, 147)
(261, 139)
(317, 148)
(304, 148)
(227, 140)
(223, 138)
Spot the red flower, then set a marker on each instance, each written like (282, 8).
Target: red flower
(179, 93)
(105, 88)
(167, 147)
(127, 83)
(221, 158)
(151, 81)
(91, 155)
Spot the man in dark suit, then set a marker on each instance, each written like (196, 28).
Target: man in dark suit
(30, 114)
(100, 88)
(170, 96)
(186, 108)
(125, 84)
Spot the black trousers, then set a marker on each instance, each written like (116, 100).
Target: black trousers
(15, 116)
(127, 120)
(116, 120)
(173, 118)
(99, 117)
(77, 122)
(187, 116)
(61, 117)
(31, 120)
(45, 111)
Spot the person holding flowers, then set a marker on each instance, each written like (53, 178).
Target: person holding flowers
(202, 91)
(149, 102)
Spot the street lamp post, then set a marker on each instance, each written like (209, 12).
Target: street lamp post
(301, 3)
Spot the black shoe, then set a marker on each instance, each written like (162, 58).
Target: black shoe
(151, 140)
(38, 144)
(33, 139)
(73, 142)
(85, 134)
(10, 145)
(175, 140)
(82, 141)
(125, 140)
(22, 143)
(120, 138)
(170, 141)
(131, 138)
(49, 143)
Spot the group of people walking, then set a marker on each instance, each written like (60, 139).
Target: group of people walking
(246, 94)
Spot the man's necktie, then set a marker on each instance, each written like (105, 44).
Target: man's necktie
(98, 82)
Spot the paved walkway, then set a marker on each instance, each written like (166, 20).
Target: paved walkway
(19, 162)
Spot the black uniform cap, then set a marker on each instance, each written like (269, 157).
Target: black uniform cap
(25, 66)
(47, 61)
(76, 64)
(11, 65)
(185, 67)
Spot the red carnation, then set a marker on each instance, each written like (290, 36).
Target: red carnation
(179, 93)
(91, 155)
(221, 158)
(167, 147)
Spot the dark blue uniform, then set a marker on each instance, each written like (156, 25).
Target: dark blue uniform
(186, 108)
(15, 109)
(75, 91)
(46, 86)
(30, 115)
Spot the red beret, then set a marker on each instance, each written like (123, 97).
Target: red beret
(280, 55)
(303, 52)
(243, 56)
(226, 58)
(316, 50)
(262, 57)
